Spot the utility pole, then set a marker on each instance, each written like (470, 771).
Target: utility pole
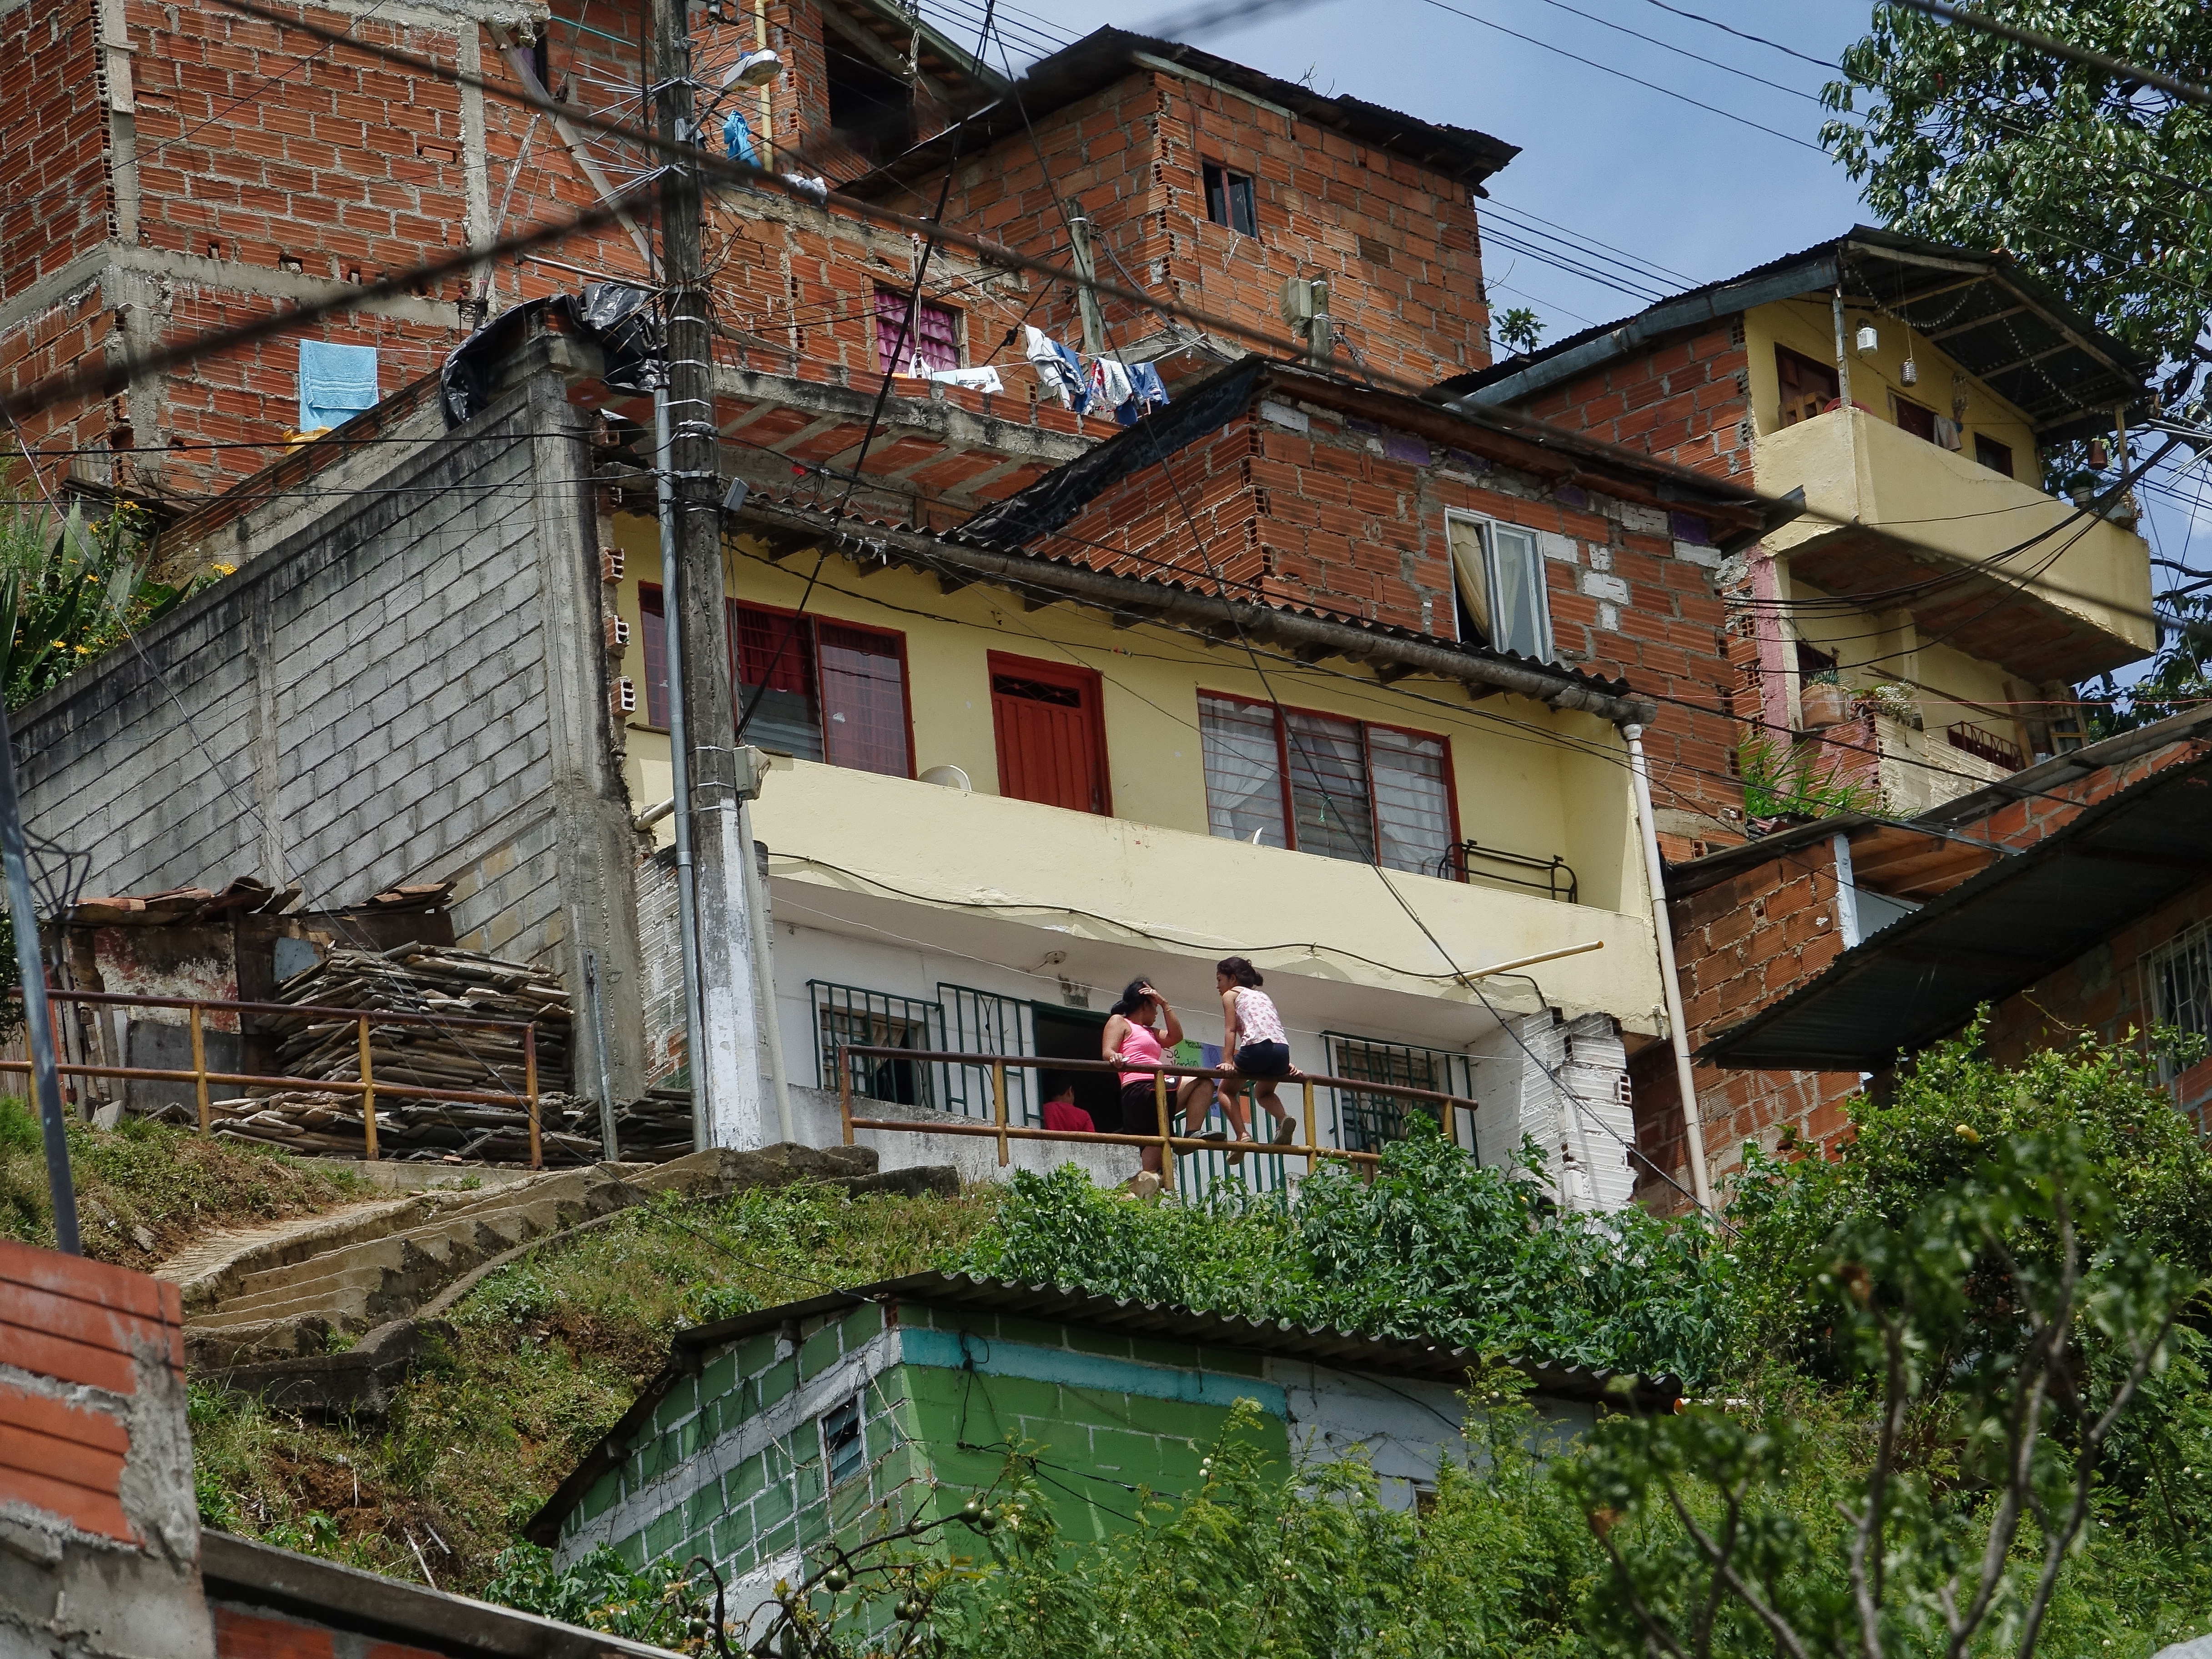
(725, 1066)
(37, 1012)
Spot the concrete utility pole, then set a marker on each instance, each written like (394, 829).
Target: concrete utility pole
(725, 1070)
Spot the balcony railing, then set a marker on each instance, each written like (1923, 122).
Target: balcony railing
(1984, 744)
(1171, 1146)
(368, 1085)
(1551, 876)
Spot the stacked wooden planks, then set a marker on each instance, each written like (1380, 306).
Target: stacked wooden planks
(317, 1125)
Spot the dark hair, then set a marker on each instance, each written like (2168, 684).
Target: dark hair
(1240, 970)
(1132, 998)
(1058, 1085)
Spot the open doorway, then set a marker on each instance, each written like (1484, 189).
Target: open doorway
(1075, 1034)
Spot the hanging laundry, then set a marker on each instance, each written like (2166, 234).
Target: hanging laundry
(1109, 383)
(1151, 390)
(1948, 433)
(985, 378)
(337, 382)
(737, 139)
(1058, 367)
(818, 189)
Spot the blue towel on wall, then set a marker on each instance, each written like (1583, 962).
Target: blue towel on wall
(337, 382)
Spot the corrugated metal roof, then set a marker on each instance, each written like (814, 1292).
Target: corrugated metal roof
(1921, 977)
(1338, 1350)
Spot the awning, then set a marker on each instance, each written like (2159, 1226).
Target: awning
(1921, 977)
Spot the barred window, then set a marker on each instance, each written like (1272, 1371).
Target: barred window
(2181, 976)
(847, 1015)
(1366, 1123)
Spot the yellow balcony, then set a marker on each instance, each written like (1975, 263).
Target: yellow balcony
(2048, 595)
(1011, 883)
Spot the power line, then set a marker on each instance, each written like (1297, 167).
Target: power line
(2187, 91)
(1742, 35)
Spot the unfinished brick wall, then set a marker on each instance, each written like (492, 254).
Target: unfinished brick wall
(1741, 944)
(1687, 400)
(1399, 243)
(53, 182)
(1331, 499)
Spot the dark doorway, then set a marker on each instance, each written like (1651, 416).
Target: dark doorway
(1075, 1034)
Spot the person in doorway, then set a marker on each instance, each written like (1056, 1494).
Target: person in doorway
(1061, 1114)
(1135, 1035)
(1252, 1040)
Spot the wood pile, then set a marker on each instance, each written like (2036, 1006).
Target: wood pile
(420, 979)
(316, 1125)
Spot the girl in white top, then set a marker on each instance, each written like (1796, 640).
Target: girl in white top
(1253, 1041)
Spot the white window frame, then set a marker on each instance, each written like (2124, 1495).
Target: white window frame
(2196, 940)
(1486, 529)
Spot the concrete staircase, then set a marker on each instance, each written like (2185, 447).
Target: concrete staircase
(325, 1318)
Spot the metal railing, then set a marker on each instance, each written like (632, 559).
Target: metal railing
(367, 1086)
(1169, 1143)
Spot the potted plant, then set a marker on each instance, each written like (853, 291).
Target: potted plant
(1823, 700)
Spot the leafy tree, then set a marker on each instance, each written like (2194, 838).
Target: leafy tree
(1987, 1444)
(2097, 185)
(2179, 677)
(1519, 328)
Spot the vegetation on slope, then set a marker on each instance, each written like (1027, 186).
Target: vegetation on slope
(548, 1353)
(144, 1190)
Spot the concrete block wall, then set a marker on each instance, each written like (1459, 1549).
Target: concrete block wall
(410, 689)
(98, 1522)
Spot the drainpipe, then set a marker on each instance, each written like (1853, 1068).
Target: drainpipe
(1843, 354)
(764, 943)
(1693, 1123)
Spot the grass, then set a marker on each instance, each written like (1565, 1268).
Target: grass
(547, 1354)
(145, 1190)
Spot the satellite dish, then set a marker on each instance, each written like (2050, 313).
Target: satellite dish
(755, 69)
(952, 777)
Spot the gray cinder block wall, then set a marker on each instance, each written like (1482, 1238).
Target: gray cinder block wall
(409, 687)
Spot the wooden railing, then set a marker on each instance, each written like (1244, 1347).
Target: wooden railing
(1168, 1143)
(367, 1086)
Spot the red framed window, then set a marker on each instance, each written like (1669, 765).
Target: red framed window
(1050, 720)
(934, 336)
(1322, 783)
(822, 690)
(652, 634)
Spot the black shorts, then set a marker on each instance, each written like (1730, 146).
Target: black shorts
(1264, 1059)
(1140, 1110)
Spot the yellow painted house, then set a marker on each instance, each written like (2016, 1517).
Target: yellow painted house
(1918, 394)
(989, 807)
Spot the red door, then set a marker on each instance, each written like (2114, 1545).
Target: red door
(1052, 734)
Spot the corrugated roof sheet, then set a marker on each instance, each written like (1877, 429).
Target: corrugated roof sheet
(1921, 977)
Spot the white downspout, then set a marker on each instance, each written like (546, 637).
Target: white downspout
(1693, 1123)
(763, 946)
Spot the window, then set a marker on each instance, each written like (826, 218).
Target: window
(844, 1450)
(1323, 784)
(1229, 199)
(845, 1014)
(1366, 1122)
(934, 336)
(1992, 454)
(652, 634)
(1807, 388)
(1051, 734)
(826, 692)
(1915, 418)
(871, 110)
(2181, 976)
(1500, 570)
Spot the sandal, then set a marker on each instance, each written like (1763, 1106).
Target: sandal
(1287, 1131)
(1237, 1155)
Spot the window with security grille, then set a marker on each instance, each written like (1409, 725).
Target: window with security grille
(848, 1017)
(1367, 1123)
(2180, 991)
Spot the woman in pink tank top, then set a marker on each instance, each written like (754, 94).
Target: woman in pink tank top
(1130, 1038)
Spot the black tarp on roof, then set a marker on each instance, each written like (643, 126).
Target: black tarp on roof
(1921, 977)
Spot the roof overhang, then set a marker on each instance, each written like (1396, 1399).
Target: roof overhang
(1922, 977)
(2001, 325)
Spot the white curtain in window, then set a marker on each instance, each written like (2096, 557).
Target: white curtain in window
(1329, 805)
(1520, 620)
(1244, 770)
(1413, 802)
